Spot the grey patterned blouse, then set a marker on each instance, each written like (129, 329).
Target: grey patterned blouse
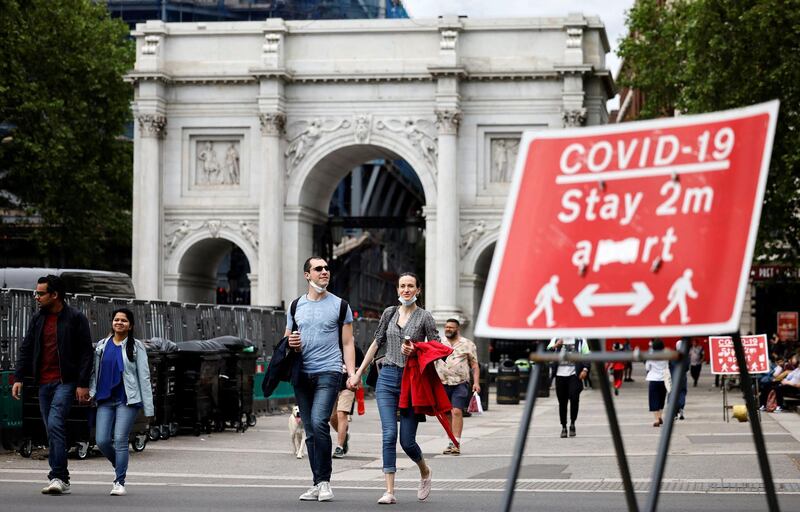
(420, 327)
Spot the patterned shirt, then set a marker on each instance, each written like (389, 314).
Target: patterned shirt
(419, 327)
(455, 369)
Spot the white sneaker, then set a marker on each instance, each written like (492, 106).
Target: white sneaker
(778, 409)
(387, 499)
(312, 494)
(325, 492)
(762, 408)
(56, 486)
(118, 490)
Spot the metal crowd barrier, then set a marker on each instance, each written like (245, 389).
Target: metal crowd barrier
(154, 319)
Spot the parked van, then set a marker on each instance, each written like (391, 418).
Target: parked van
(76, 280)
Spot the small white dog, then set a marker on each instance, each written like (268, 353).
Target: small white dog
(297, 432)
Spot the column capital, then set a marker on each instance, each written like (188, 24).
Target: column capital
(574, 117)
(447, 121)
(152, 125)
(272, 123)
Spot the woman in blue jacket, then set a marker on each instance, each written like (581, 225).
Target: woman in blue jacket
(120, 386)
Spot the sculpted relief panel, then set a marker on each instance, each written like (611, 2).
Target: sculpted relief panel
(503, 157)
(217, 162)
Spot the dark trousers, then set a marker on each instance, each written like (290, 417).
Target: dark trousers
(695, 370)
(55, 401)
(568, 389)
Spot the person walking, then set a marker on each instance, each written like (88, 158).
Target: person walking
(681, 385)
(696, 357)
(57, 353)
(657, 390)
(455, 372)
(617, 368)
(569, 381)
(120, 386)
(327, 349)
(399, 325)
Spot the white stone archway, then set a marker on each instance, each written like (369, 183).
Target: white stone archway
(312, 183)
(191, 266)
(244, 128)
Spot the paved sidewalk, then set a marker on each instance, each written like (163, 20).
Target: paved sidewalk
(707, 455)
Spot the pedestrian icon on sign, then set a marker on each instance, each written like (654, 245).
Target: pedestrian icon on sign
(681, 288)
(544, 302)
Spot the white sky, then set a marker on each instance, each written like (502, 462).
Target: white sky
(611, 12)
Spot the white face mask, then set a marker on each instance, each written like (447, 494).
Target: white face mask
(408, 302)
(316, 287)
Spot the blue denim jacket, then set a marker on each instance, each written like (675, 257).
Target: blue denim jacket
(135, 376)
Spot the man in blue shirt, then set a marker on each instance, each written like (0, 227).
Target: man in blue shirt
(316, 337)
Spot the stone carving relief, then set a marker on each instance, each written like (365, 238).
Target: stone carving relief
(362, 128)
(303, 141)
(418, 133)
(447, 121)
(272, 123)
(178, 230)
(574, 37)
(218, 163)
(151, 45)
(574, 117)
(152, 125)
(472, 231)
(503, 154)
(448, 40)
(272, 42)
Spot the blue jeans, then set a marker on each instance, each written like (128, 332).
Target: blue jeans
(55, 401)
(316, 394)
(387, 395)
(115, 417)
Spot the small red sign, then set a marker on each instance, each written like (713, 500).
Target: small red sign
(787, 325)
(723, 357)
(632, 229)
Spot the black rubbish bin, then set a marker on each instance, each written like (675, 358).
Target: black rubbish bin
(507, 383)
(198, 367)
(483, 380)
(524, 376)
(236, 384)
(544, 380)
(163, 355)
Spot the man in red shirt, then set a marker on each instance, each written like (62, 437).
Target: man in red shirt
(57, 353)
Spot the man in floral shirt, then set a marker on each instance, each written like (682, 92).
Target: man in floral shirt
(454, 372)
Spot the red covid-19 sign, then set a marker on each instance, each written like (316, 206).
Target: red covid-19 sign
(633, 229)
(723, 357)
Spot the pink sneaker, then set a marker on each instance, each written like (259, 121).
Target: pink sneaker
(425, 485)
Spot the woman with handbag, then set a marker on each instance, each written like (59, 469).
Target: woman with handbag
(120, 386)
(398, 326)
(657, 371)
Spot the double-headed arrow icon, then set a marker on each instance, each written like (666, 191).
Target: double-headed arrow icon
(638, 299)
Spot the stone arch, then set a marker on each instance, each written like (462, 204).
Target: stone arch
(192, 267)
(477, 252)
(309, 183)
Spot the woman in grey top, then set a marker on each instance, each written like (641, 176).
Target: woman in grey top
(399, 326)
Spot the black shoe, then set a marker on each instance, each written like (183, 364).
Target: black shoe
(616, 392)
(563, 432)
(572, 430)
(346, 443)
(680, 415)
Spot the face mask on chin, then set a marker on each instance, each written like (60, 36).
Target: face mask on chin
(316, 287)
(409, 302)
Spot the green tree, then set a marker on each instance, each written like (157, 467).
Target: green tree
(699, 56)
(61, 88)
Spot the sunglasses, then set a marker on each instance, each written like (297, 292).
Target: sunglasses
(320, 268)
(40, 293)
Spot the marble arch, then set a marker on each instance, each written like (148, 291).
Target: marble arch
(247, 126)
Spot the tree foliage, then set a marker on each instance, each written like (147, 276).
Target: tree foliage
(61, 87)
(699, 56)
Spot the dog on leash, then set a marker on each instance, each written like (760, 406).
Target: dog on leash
(297, 432)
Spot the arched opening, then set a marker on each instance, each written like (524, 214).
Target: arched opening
(367, 204)
(214, 271)
(482, 266)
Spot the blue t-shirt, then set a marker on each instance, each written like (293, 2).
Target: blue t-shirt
(109, 385)
(318, 323)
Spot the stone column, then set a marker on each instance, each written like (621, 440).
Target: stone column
(447, 215)
(146, 256)
(270, 211)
